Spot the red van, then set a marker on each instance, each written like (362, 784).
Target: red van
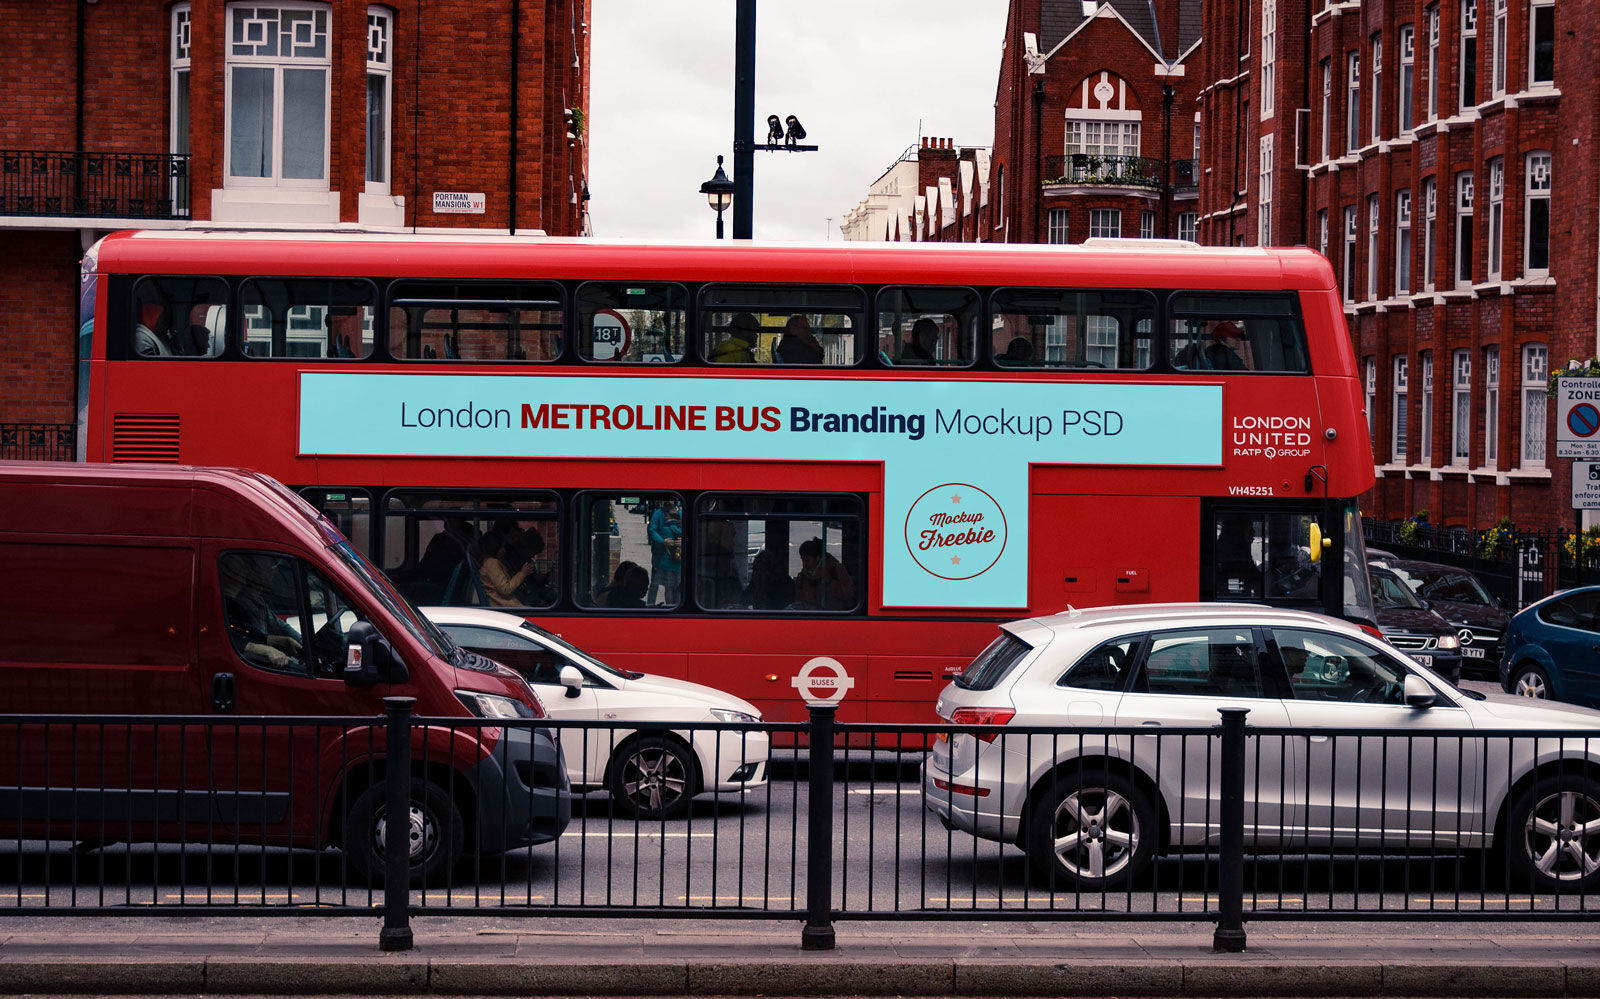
(151, 590)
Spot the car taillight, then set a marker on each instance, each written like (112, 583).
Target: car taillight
(983, 716)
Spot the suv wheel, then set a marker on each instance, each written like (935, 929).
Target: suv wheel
(1554, 832)
(1092, 831)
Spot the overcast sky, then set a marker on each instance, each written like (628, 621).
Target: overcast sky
(859, 74)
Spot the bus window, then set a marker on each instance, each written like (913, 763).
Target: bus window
(928, 327)
(794, 324)
(179, 317)
(1257, 555)
(632, 322)
(1067, 328)
(475, 321)
(307, 317)
(632, 554)
(349, 509)
(778, 553)
(1213, 332)
(495, 549)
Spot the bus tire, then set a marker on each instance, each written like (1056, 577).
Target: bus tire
(436, 834)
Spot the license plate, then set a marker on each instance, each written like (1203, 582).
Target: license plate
(1425, 660)
(1472, 653)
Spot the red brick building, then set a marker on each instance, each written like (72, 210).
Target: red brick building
(299, 114)
(1442, 155)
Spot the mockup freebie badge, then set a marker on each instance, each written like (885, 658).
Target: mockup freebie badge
(956, 531)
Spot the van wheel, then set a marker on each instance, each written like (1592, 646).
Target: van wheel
(1528, 680)
(1092, 832)
(1554, 835)
(653, 778)
(435, 837)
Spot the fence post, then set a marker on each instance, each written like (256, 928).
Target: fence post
(818, 932)
(1230, 887)
(396, 933)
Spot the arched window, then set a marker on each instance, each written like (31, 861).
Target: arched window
(1103, 118)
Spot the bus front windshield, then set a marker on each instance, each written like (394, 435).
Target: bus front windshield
(1357, 584)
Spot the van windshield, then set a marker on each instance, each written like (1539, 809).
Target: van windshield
(404, 610)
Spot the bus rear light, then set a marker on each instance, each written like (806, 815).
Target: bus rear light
(983, 716)
(976, 792)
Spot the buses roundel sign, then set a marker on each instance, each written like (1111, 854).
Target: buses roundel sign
(822, 680)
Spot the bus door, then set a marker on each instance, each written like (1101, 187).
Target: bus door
(1287, 554)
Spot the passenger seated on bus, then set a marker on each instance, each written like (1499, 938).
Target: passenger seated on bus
(771, 587)
(1018, 351)
(1220, 352)
(822, 583)
(447, 565)
(716, 580)
(924, 342)
(344, 331)
(799, 345)
(628, 586)
(739, 348)
(149, 334)
(506, 566)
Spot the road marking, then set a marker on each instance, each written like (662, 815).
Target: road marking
(608, 834)
(914, 791)
(752, 900)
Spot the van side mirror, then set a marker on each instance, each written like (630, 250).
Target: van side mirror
(1418, 692)
(370, 659)
(572, 679)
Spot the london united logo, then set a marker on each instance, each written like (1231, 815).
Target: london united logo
(956, 531)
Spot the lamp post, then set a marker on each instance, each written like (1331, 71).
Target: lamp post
(719, 194)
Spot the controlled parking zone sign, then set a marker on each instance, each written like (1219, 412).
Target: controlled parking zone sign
(1578, 419)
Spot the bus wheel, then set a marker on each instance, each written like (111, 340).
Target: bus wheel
(434, 837)
(1092, 832)
(653, 778)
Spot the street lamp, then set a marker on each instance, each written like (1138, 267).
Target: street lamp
(719, 194)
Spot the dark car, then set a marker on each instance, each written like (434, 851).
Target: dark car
(1412, 628)
(1457, 596)
(1553, 649)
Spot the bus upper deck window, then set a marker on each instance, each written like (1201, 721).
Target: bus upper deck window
(307, 317)
(179, 317)
(1072, 328)
(806, 325)
(1238, 332)
(928, 327)
(476, 321)
(632, 322)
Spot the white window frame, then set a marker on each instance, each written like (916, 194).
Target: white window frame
(1370, 382)
(1322, 231)
(1461, 407)
(1402, 242)
(178, 120)
(1430, 230)
(1535, 403)
(1467, 53)
(1537, 181)
(1189, 226)
(380, 65)
(1399, 416)
(1147, 225)
(1348, 264)
(1058, 229)
(1105, 222)
(1377, 87)
(1497, 214)
(1408, 77)
(278, 64)
(1269, 56)
(1497, 50)
(1264, 194)
(1102, 133)
(1540, 10)
(1425, 451)
(1372, 246)
(1461, 269)
(1491, 406)
(1327, 109)
(1352, 111)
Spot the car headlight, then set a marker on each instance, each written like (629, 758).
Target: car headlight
(729, 715)
(1449, 641)
(493, 705)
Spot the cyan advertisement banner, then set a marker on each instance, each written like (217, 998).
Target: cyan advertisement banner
(955, 454)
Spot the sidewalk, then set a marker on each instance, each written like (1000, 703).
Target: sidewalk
(489, 956)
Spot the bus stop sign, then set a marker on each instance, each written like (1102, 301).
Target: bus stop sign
(822, 680)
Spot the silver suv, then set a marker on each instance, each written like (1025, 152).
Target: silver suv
(1093, 807)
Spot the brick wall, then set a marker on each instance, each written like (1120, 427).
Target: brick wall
(38, 303)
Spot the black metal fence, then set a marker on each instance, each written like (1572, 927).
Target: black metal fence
(1223, 823)
(38, 441)
(1519, 568)
(94, 185)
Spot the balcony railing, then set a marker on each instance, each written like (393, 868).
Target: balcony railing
(38, 441)
(94, 185)
(1088, 169)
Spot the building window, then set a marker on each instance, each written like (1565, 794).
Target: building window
(1463, 271)
(1264, 194)
(1542, 43)
(1398, 443)
(1497, 51)
(1408, 75)
(1327, 109)
(1433, 62)
(1322, 232)
(1469, 54)
(1352, 106)
(1497, 214)
(1372, 247)
(1110, 133)
(1147, 225)
(1536, 215)
(1377, 87)
(380, 67)
(1425, 457)
(1430, 225)
(1349, 268)
(1189, 226)
(1461, 407)
(1058, 225)
(1491, 406)
(1197, 144)
(1370, 381)
(1402, 242)
(1105, 222)
(1535, 379)
(1269, 52)
(278, 62)
(180, 80)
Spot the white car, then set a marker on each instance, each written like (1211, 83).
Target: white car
(650, 774)
(1093, 809)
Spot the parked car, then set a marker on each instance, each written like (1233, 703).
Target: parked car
(1093, 809)
(650, 774)
(1457, 596)
(1552, 649)
(1411, 627)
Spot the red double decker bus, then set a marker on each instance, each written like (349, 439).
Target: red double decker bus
(718, 461)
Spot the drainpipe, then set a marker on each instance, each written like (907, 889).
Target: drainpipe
(1038, 157)
(516, 52)
(416, 118)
